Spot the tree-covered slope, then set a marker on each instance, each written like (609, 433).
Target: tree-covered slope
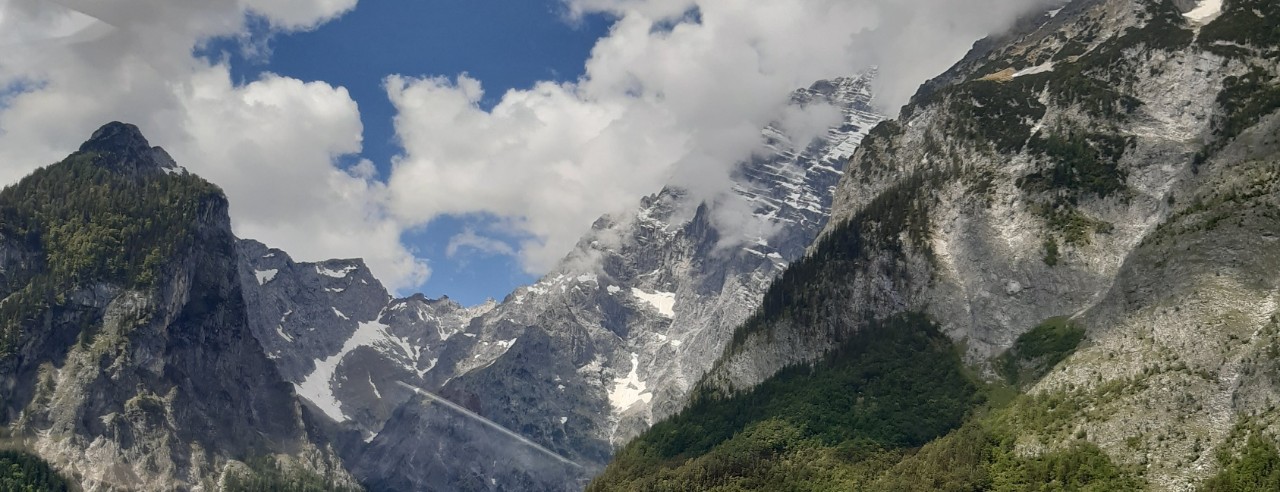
(91, 224)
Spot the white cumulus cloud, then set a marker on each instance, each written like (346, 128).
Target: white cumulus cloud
(676, 93)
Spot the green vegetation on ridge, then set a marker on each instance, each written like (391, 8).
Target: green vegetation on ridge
(1255, 469)
(91, 223)
(1036, 352)
(1082, 163)
(894, 385)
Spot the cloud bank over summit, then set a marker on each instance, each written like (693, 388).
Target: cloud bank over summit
(676, 92)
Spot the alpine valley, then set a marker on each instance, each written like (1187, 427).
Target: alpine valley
(1054, 270)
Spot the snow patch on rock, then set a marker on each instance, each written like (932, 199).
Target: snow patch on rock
(1205, 11)
(663, 302)
(318, 386)
(265, 276)
(340, 273)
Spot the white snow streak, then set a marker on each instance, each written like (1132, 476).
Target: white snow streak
(629, 390)
(280, 326)
(335, 273)
(1042, 68)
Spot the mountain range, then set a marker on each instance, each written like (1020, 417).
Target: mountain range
(581, 361)
(1051, 271)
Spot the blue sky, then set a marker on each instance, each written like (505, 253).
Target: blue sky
(506, 44)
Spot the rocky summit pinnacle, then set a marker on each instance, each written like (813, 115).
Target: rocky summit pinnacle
(124, 148)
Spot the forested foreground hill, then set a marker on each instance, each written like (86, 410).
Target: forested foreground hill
(1054, 271)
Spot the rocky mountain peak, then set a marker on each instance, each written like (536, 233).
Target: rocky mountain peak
(142, 342)
(843, 89)
(126, 149)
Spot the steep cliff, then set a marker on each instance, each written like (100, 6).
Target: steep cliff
(127, 359)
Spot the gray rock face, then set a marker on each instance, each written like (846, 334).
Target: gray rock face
(451, 451)
(161, 387)
(125, 150)
(579, 362)
(339, 337)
